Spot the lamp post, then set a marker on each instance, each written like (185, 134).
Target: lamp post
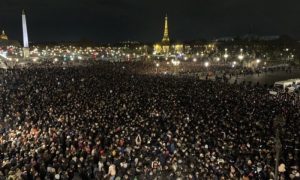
(257, 62)
(156, 65)
(241, 56)
(226, 55)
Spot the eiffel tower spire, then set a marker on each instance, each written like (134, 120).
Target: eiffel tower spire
(166, 39)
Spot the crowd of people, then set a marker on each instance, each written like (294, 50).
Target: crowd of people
(106, 122)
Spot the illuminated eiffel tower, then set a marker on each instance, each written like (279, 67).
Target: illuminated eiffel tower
(166, 39)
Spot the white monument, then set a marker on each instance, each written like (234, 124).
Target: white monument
(25, 36)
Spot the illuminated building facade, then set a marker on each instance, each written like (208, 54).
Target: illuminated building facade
(4, 41)
(165, 47)
(3, 36)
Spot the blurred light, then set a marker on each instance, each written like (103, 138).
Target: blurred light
(241, 57)
(206, 64)
(175, 62)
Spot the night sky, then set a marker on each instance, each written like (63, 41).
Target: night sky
(142, 20)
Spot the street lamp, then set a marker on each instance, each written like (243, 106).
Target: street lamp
(241, 57)
(258, 61)
(233, 64)
(206, 64)
(226, 56)
(156, 65)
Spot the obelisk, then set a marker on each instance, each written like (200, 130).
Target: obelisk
(25, 36)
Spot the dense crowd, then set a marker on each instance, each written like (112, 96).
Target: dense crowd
(104, 122)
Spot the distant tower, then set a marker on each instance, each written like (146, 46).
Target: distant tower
(166, 39)
(25, 36)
